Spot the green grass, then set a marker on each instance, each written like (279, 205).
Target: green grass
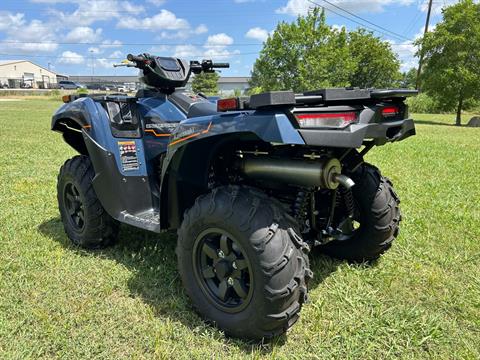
(421, 300)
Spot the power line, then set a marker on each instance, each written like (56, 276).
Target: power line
(123, 44)
(363, 19)
(122, 58)
(350, 19)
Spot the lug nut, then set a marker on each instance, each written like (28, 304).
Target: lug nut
(221, 254)
(234, 265)
(230, 281)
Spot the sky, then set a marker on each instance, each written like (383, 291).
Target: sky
(85, 37)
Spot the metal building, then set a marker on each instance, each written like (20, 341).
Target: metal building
(25, 74)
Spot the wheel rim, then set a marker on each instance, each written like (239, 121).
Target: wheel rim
(223, 270)
(74, 206)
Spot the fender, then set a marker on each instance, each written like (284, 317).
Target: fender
(196, 141)
(73, 117)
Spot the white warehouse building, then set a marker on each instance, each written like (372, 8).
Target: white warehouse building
(24, 73)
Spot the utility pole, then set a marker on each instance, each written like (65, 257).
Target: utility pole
(420, 62)
(93, 65)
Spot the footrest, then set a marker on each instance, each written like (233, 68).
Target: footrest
(148, 220)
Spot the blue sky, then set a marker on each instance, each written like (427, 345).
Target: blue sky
(78, 37)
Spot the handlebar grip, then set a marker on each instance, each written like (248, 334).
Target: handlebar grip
(221, 65)
(131, 57)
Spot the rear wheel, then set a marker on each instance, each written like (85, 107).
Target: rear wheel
(242, 263)
(377, 213)
(85, 221)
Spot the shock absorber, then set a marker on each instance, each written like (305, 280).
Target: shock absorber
(299, 207)
(348, 201)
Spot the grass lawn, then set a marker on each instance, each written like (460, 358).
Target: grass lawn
(421, 300)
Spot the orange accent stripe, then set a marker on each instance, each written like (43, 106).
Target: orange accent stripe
(154, 133)
(208, 129)
(191, 135)
(87, 126)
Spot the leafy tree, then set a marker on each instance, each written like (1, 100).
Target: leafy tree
(409, 79)
(308, 54)
(376, 64)
(452, 57)
(206, 83)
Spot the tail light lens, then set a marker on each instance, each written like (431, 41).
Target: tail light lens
(336, 120)
(390, 111)
(227, 104)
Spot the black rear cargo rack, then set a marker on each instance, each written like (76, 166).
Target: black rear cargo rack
(323, 96)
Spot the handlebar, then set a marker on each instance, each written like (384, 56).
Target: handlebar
(135, 58)
(221, 65)
(141, 61)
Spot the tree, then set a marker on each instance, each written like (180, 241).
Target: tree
(206, 83)
(409, 79)
(376, 64)
(308, 54)
(452, 57)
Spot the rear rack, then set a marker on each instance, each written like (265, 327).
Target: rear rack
(323, 96)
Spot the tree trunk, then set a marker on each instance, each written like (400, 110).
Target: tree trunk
(458, 121)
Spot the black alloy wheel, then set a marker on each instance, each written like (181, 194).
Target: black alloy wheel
(74, 206)
(223, 270)
(85, 221)
(242, 263)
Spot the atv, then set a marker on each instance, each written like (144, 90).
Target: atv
(251, 184)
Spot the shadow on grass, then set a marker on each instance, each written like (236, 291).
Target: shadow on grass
(151, 257)
(430, 122)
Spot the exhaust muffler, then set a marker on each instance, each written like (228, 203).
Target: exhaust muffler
(326, 173)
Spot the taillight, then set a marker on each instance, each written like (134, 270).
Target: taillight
(227, 104)
(390, 111)
(338, 120)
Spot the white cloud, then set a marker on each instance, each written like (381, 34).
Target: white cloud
(301, 7)
(406, 54)
(186, 51)
(107, 62)
(219, 54)
(84, 34)
(111, 44)
(156, 2)
(218, 40)
(201, 29)
(94, 50)
(71, 58)
(8, 20)
(30, 38)
(257, 34)
(184, 33)
(91, 11)
(164, 20)
(437, 5)
(215, 48)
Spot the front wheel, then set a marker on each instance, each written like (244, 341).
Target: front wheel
(378, 215)
(242, 263)
(85, 221)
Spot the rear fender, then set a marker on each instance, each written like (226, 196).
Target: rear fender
(196, 142)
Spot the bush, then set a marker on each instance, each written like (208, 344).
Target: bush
(423, 104)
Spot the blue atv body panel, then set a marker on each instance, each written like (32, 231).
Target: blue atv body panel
(149, 169)
(132, 194)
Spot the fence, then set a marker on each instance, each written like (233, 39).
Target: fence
(26, 83)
